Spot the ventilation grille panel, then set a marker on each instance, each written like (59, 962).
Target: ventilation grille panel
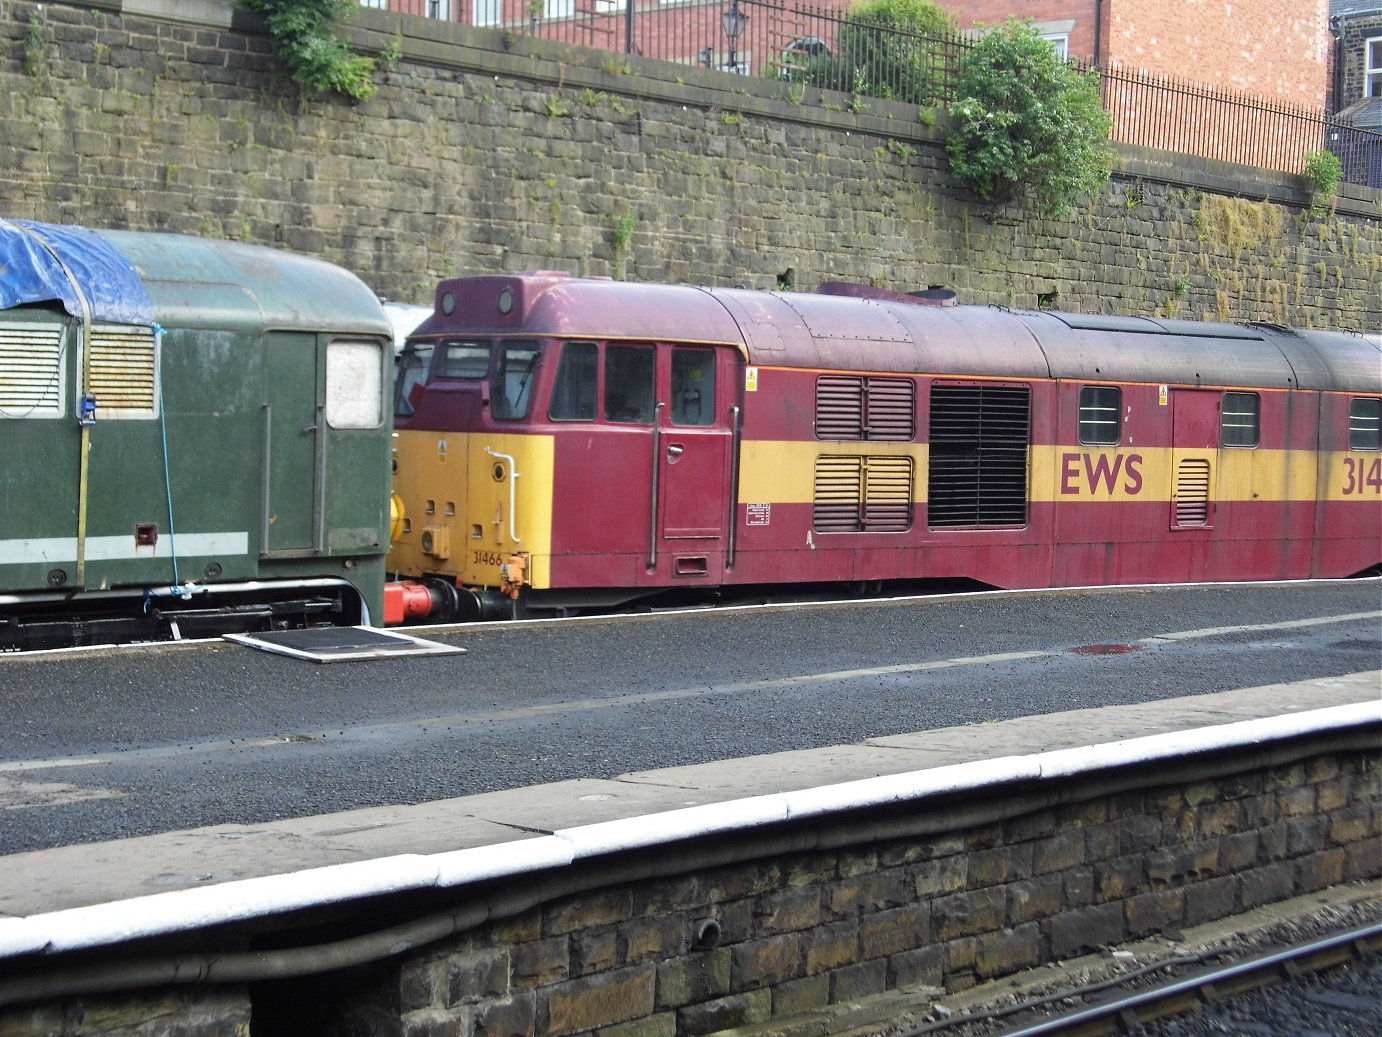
(31, 370)
(979, 455)
(1192, 492)
(863, 494)
(124, 371)
(855, 408)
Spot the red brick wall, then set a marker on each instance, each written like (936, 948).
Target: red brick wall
(1273, 49)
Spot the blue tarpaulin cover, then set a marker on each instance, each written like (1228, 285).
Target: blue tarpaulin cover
(30, 272)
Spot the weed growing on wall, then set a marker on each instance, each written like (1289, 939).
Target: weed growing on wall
(34, 43)
(1028, 127)
(304, 35)
(1323, 171)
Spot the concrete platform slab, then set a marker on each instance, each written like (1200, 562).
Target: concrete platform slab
(76, 876)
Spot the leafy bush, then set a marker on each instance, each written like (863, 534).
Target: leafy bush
(1028, 126)
(891, 49)
(1323, 171)
(304, 34)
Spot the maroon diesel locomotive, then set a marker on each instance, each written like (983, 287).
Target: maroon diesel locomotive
(567, 442)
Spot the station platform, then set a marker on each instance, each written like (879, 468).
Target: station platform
(79, 876)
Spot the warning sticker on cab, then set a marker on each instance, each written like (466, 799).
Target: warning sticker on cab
(758, 514)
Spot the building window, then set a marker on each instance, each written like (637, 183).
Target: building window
(440, 9)
(1060, 43)
(1238, 425)
(378, 5)
(1365, 424)
(1101, 407)
(1372, 72)
(487, 12)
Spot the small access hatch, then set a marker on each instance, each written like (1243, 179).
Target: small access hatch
(342, 644)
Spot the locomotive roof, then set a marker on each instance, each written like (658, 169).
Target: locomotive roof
(857, 333)
(136, 277)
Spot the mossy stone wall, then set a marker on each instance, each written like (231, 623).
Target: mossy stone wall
(486, 152)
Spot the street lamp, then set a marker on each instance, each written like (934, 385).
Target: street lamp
(733, 22)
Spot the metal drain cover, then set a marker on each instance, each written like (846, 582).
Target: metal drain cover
(342, 644)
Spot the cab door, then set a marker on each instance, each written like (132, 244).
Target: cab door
(694, 435)
(292, 420)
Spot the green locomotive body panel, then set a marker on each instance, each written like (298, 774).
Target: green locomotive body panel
(237, 440)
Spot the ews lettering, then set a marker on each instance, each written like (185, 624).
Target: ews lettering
(1088, 473)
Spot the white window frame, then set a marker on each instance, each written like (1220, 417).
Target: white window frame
(1372, 67)
(438, 9)
(487, 12)
(378, 5)
(1060, 43)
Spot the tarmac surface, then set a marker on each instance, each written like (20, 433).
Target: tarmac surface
(105, 745)
(74, 876)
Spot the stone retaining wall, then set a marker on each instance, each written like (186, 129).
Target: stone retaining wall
(819, 915)
(485, 151)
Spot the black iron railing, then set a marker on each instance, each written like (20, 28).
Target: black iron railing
(805, 45)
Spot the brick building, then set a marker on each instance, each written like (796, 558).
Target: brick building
(1272, 49)
(1278, 50)
(1355, 86)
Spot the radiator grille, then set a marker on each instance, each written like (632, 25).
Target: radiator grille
(31, 370)
(979, 455)
(863, 494)
(124, 370)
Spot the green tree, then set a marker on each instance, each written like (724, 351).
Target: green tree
(892, 49)
(1028, 127)
(304, 35)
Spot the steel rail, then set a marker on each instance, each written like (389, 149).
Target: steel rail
(1122, 1014)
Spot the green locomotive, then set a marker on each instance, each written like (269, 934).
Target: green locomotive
(194, 438)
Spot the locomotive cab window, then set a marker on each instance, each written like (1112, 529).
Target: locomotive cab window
(515, 373)
(410, 371)
(577, 385)
(693, 387)
(1239, 421)
(1365, 423)
(354, 384)
(1100, 409)
(463, 358)
(629, 374)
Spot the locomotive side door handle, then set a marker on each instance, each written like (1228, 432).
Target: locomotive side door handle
(674, 451)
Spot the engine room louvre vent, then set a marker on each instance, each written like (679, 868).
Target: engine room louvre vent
(857, 408)
(124, 370)
(863, 494)
(1192, 492)
(979, 455)
(31, 370)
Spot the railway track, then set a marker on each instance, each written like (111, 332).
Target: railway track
(1269, 994)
